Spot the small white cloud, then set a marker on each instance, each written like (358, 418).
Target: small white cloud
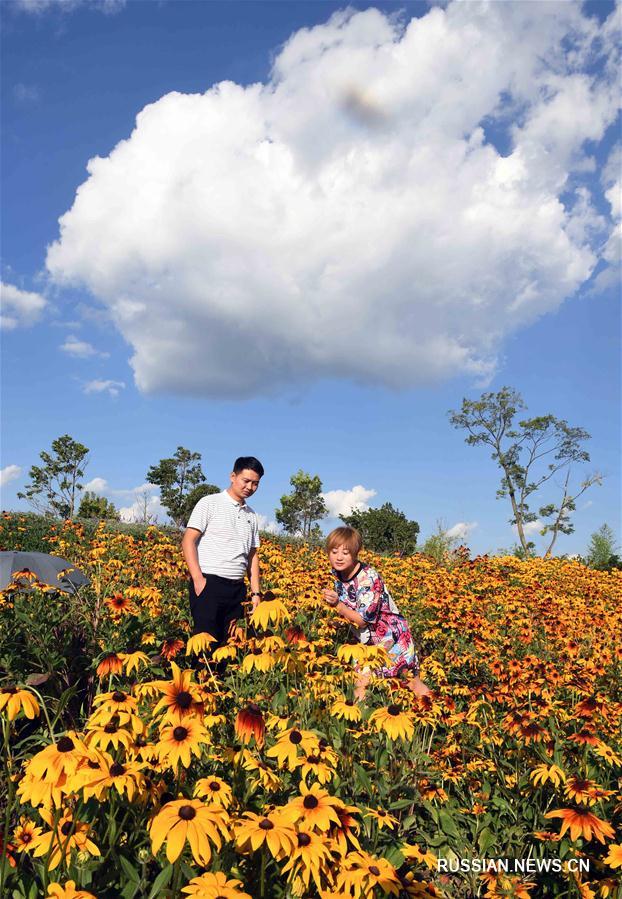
(97, 485)
(531, 528)
(343, 502)
(80, 349)
(25, 93)
(8, 474)
(461, 529)
(37, 7)
(267, 524)
(24, 307)
(112, 388)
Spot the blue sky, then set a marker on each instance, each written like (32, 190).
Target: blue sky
(315, 269)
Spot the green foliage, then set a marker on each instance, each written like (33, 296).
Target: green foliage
(439, 545)
(385, 529)
(301, 509)
(602, 550)
(178, 479)
(54, 486)
(94, 506)
(519, 450)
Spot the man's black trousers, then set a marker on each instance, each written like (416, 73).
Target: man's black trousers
(216, 606)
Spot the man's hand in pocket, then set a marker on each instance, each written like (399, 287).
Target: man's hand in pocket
(199, 586)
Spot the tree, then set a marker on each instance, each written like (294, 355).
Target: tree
(141, 514)
(94, 506)
(385, 529)
(520, 451)
(301, 509)
(54, 486)
(440, 544)
(177, 478)
(602, 550)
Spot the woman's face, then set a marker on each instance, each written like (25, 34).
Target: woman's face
(342, 558)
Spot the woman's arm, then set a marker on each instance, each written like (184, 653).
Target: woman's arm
(331, 599)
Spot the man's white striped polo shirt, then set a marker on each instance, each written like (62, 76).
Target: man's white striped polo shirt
(230, 530)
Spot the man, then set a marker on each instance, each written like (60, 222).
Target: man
(220, 546)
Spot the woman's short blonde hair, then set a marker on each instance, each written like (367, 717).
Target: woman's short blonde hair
(345, 536)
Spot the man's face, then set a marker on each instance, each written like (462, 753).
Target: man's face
(244, 484)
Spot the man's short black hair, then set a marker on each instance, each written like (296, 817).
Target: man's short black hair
(249, 462)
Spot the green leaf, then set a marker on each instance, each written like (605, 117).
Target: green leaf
(160, 882)
(129, 869)
(485, 840)
(130, 889)
(363, 779)
(447, 824)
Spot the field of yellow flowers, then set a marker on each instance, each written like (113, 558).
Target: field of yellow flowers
(140, 764)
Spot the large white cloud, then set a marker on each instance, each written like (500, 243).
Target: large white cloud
(9, 473)
(351, 217)
(461, 529)
(344, 502)
(20, 308)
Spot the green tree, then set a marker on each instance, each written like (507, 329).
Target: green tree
(54, 486)
(301, 509)
(602, 550)
(529, 454)
(440, 544)
(385, 529)
(177, 478)
(94, 506)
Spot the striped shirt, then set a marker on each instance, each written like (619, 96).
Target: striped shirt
(230, 530)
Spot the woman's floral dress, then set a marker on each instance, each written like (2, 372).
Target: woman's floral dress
(366, 594)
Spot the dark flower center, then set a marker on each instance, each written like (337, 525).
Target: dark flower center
(214, 786)
(374, 870)
(117, 769)
(187, 813)
(323, 744)
(257, 651)
(67, 828)
(266, 824)
(93, 765)
(313, 759)
(304, 839)
(65, 744)
(349, 702)
(310, 801)
(295, 737)
(393, 710)
(111, 728)
(180, 734)
(184, 699)
(10, 690)
(26, 837)
(118, 696)
(141, 740)
(381, 814)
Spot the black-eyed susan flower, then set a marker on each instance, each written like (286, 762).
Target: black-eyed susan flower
(259, 660)
(214, 790)
(179, 742)
(382, 818)
(199, 643)
(189, 819)
(362, 872)
(614, 855)
(314, 765)
(290, 744)
(606, 753)
(252, 831)
(179, 695)
(270, 611)
(110, 735)
(344, 833)
(250, 724)
(171, 647)
(119, 605)
(541, 773)
(346, 709)
(98, 776)
(413, 853)
(110, 663)
(225, 653)
(148, 639)
(25, 835)
(66, 835)
(268, 778)
(394, 721)
(309, 858)
(67, 890)
(59, 759)
(582, 824)
(14, 700)
(133, 660)
(314, 807)
(215, 886)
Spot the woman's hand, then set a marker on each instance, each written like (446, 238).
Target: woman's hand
(330, 598)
